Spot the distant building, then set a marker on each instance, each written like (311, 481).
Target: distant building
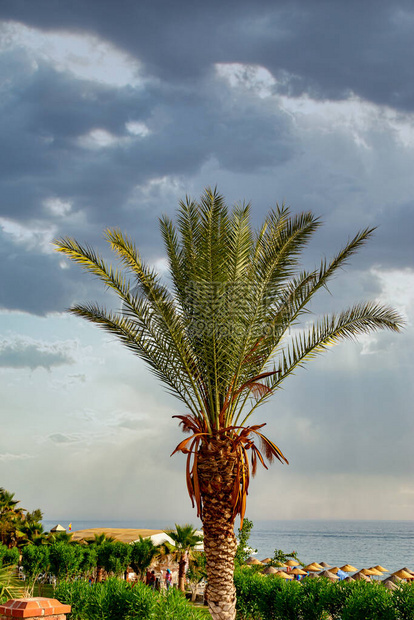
(58, 528)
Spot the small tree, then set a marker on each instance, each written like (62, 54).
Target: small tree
(185, 540)
(143, 552)
(114, 557)
(9, 557)
(280, 558)
(196, 572)
(35, 561)
(88, 561)
(64, 560)
(243, 550)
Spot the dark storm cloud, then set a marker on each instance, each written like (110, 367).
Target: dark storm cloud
(46, 113)
(325, 48)
(193, 118)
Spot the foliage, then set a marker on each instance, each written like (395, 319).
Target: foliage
(8, 556)
(114, 557)
(221, 340)
(88, 561)
(185, 540)
(17, 526)
(35, 561)
(117, 599)
(270, 598)
(370, 600)
(243, 550)
(197, 571)
(64, 559)
(143, 551)
(10, 586)
(280, 557)
(403, 599)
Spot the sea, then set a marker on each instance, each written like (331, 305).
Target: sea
(360, 543)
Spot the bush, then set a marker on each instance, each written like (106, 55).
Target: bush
(369, 600)
(403, 598)
(115, 598)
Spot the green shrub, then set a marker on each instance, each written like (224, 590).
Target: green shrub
(403, 598)
(369, 600)
(115, 598)
(313, 599)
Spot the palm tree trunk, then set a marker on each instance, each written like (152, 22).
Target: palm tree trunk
(216, 472)
(181, 574)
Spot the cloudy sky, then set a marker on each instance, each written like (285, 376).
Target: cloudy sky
(112, 111)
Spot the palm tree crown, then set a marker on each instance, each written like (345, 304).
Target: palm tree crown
(221, 340)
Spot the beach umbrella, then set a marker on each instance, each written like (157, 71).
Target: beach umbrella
(381, 568)
(348, 568)
(367, 571)
(312, 568)
(325, 565)
(312, 576)
(349, 579)
(393, 578)
(360, 576)
(266, 560)
(334, 569)
(281, 573)
(329, 575)
(298, 571)
(407, 570)
(292, 563)
(403, 574)
(375, 571)
(253, 562)
(269, 570)
(389, 584)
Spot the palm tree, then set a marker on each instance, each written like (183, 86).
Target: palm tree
(10, 517)
(223, 341)
(97, 542)
(10, 585)
(143, 552)
(185, 540)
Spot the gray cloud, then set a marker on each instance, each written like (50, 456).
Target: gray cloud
(26, 353)
(61, 438)
(324, 49)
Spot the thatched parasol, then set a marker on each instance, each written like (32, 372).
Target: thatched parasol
(281, 573)
(389, 584)
(368, 571)
(269, 570)
(393, 578)
(253, 562)
(381, 568)
(298, 571)
(329, 575)
(266, 560)
(403, 574)
(291, 563)
(325, 565)
(348, 568)
(360, 576)
(312, 568)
